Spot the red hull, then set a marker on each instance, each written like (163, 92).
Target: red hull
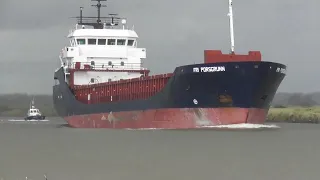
(186, 118)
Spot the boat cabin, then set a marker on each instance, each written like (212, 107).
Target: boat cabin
(33, 111)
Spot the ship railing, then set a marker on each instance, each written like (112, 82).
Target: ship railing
(61, 61)
(108, 21)
(106, 66)
(122, 81)
(71, 31)
(75, 27)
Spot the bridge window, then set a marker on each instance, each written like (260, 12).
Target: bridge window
(102, 41)
(81, 41)
(121, 42)
(111, 41)
(92, 41)
(130, 42)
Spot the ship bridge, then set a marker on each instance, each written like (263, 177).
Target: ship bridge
(126, 33)
(103, 45)
(103, 37)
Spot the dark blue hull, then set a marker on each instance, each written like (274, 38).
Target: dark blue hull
(241, 85)
(34, 118)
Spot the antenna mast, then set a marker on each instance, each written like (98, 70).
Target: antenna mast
(81, 8)
(231, 26)
(99, 6)
(96, 22)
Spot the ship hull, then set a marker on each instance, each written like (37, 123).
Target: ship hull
(174, 118)
(35, 117)
(196, 96)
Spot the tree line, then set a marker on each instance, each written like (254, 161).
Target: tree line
(296, 99)
(18, 104)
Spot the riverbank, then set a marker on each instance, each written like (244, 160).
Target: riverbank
(294, 114)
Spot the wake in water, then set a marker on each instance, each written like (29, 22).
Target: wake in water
(21, 120)
(243, 126)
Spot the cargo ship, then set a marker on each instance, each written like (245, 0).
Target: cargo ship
(102, 82)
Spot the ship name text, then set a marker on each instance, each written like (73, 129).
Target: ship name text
(281, 70)
(209, 69)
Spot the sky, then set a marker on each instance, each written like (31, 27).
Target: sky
(175, 33)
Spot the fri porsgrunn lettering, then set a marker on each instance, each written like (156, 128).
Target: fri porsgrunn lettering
(209, 69)
(222, 68)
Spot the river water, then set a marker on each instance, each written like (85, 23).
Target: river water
(34, 148)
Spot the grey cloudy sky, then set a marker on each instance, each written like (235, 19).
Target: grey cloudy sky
(33, 32)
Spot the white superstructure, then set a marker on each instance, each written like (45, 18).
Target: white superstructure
(33, 111)
(104, 54)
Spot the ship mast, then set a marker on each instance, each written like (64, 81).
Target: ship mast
(31, 103)
(230, 14)
(81, 8)
(96, 22)
(99, 7)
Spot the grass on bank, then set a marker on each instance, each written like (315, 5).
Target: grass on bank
(294, 114)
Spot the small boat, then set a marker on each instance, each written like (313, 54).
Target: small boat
(34, 113)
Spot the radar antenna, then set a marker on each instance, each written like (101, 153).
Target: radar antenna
(230, 14)
(96, 22)
(99, 7)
